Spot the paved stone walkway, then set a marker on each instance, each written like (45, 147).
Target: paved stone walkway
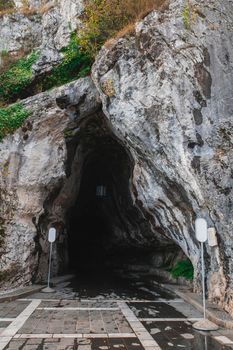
(51, 322)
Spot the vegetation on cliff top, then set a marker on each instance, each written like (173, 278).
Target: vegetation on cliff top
(189, 15)
(105, 19)
(102, 19)
(18, 80)
(8, 7)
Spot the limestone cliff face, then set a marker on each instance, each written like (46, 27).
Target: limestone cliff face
(167, 92)
(165, 95)
(33, 168)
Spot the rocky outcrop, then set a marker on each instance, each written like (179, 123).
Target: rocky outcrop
(33, 167)
(166, 113)
(42, 25)
(167, 92)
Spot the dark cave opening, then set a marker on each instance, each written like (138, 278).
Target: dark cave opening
(108, 230)
(97, 213)
(105, 227)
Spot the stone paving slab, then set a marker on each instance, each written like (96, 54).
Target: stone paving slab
(158, 310)
(75, 321)
(12, 309)
(78, 304)
(106, 325)
(180, 334)
(77, 344)
(113, 344)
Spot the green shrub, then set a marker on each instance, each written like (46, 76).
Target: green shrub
(15, 80)
(11, 118)
(75, 64)
(103, 19)
(183, 268)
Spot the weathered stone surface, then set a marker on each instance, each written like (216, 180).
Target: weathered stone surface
(32, 163)
(167, 92)
(46, 26)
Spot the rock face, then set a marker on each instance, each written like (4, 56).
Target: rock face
(164, 108)
(44, 25)
(167, 93)
(32, 168)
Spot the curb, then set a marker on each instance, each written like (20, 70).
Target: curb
(26, 291)
(20, 293)
(220, 322)
(189, 298)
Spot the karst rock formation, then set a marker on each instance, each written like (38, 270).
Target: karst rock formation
(159, 102)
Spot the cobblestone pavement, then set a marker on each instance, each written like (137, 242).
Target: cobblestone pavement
(138, 316)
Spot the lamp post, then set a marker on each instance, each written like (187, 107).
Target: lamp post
(201, 235)
(51, 239)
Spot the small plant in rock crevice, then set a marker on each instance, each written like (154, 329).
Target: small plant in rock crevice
(108, 88)
(189, 15)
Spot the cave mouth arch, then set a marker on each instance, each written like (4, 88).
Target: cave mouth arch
(107, 226)
(97, 213)
(101, 222)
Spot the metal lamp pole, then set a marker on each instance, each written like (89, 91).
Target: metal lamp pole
(201, 235)
(51, 239)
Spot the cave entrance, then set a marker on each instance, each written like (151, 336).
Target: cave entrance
(96, 217)
(96, 213)
(105, 227)
(109, 232)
